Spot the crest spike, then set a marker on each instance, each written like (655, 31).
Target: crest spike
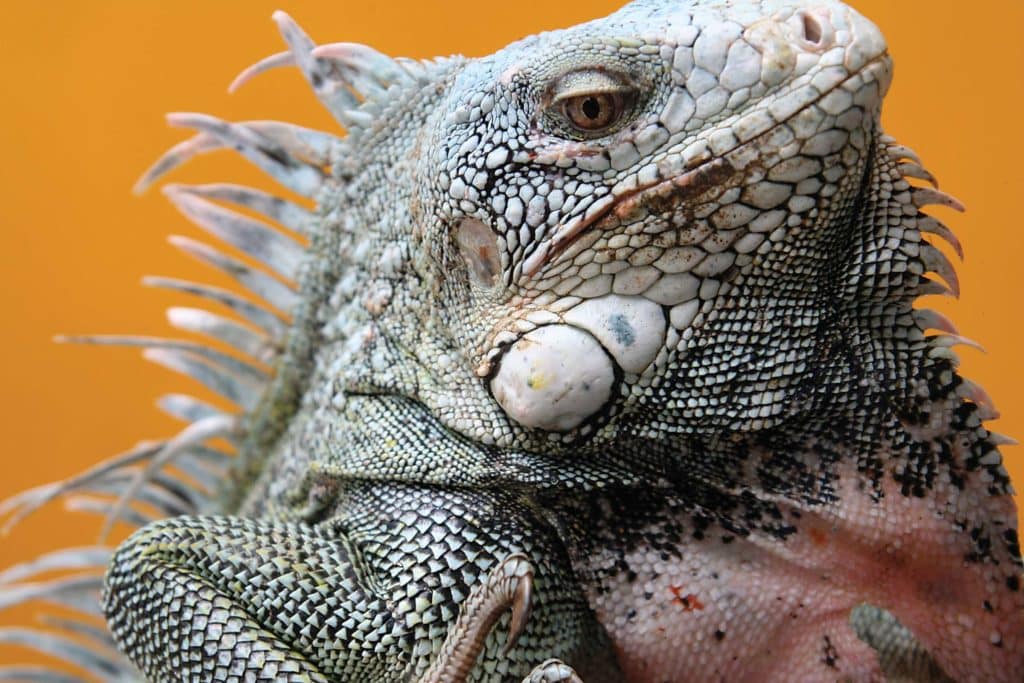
(271, 248)
(250, 72)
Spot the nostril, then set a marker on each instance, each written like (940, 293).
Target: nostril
(812, 29)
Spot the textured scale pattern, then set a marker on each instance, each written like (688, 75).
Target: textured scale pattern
(597, 359)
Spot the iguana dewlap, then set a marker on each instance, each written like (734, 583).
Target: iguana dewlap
(597, 357)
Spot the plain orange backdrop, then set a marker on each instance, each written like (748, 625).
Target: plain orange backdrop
(84, 85)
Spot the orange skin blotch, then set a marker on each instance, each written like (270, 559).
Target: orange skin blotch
(818, 536)
(688, 602)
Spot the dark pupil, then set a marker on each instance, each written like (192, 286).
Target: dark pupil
(591, 108)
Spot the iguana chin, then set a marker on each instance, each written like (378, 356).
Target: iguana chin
(602, 356)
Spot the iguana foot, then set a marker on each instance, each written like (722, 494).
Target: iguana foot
(508, 586)
(553, 671)
(212, 598)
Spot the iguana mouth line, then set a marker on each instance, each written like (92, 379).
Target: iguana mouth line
(685, 185)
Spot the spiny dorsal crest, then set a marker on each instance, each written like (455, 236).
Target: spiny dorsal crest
(184, 474)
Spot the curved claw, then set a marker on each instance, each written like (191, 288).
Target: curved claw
(522, 605)
(509, 585)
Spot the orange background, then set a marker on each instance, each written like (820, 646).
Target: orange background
(85, 84)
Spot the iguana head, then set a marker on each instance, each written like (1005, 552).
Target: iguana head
(646, 218)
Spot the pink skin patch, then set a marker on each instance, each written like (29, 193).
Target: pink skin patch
(762, 609)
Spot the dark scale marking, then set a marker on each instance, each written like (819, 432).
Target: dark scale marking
(623, 331)
(831, 655)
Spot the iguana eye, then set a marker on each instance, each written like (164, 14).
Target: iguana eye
(592, 102)
(593, 112)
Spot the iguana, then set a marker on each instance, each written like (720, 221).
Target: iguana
(597, 359)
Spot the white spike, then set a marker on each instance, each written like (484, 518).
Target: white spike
(998, 439)
(35, 674)
(915, 170)
(86, 557)
(928, 287)
(258, 149)
(310, 146)
(88, 631)
(26, 502)
(936, 262)
(936, 227)
(266, 64)
(977, 395)
(923, 196)
(176, 156)
(105, 668)
(208, 466)
(15, 594)
(245, 339)
(103, 507)
(369, 72)
(928, 319)
(194, 434)
(900, 152)
(186, 408)
(258, 240)
(201, 471)
(242, 371)
(950, 340)
(328, 82)
(86, 601)
(162, 493)
(260, 317)
(169, 496)
(231, 386)
(282, 211)
(273, 291)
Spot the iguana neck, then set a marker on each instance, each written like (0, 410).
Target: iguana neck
(358, 245)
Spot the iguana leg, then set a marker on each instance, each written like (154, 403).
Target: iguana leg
(215, 598)
(211, 598)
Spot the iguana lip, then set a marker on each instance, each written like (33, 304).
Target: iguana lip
(701, 176)
(699, 179)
